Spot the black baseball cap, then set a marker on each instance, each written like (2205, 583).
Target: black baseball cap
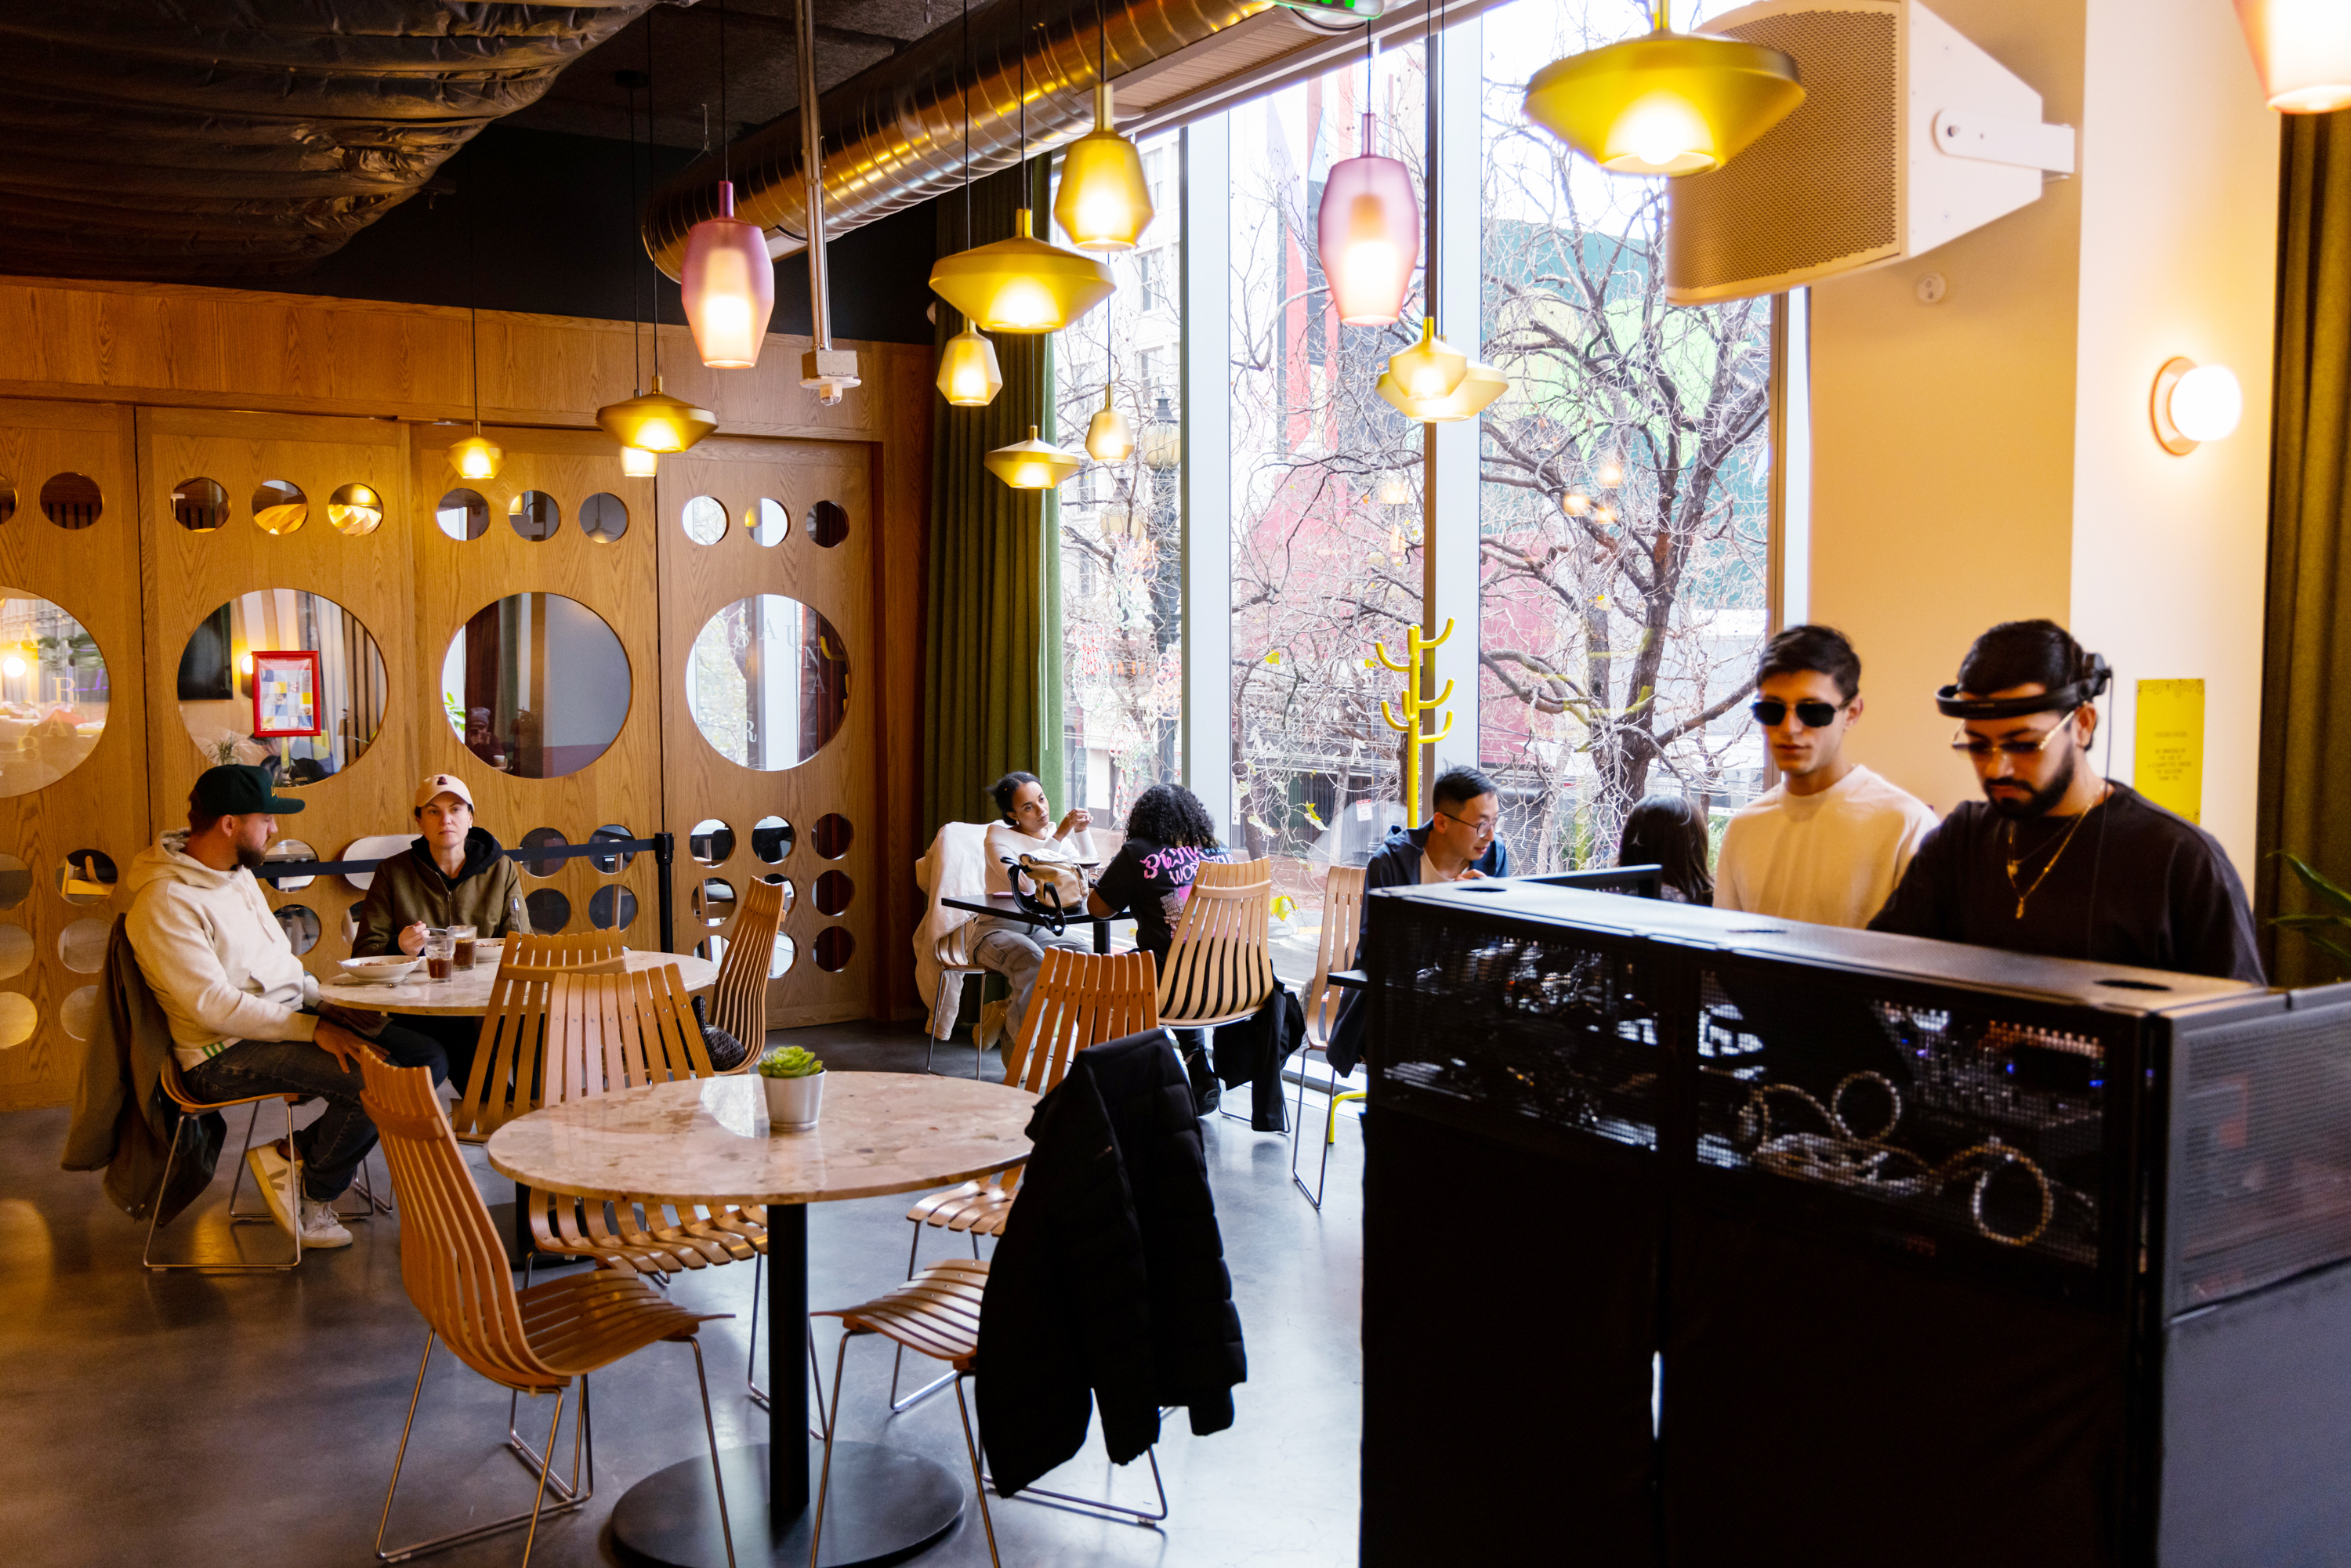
(237, 790)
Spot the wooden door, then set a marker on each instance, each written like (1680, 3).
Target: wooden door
(70, 797)
(792, 520)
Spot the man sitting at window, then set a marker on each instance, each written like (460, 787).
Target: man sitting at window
(242, 1011)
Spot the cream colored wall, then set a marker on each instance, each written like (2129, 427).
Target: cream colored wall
(1989, 457)
(2178, 256)
(1943, 434)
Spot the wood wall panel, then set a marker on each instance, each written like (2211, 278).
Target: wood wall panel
(698, 582)
(189, 575)
(902, 465)
(455, 579)
(93, 574)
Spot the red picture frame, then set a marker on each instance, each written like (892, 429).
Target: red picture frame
(286, 693)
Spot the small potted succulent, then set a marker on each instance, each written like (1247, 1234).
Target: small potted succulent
(794, 1083)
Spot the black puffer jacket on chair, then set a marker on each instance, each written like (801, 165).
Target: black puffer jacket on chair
(1109, 1285)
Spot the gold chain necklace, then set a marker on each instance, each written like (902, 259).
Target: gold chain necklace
(2016, 862)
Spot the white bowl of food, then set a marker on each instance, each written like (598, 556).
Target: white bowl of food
(387, 969)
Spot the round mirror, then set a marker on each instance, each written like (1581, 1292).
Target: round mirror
(301, 923)
(541, 839)
(612, 833)
(533, 514)
(771, 839)
(773, 525)
(828, 524)
(86, 877)
(16, 951)
(833, 834)
(536, 686)
(54, 694)
(200, 505)
(768, 682)
(604, 518)
(710, 842)
(463, 515)
(355, 510)
(611, 908)
(833, 893)
(704, 520)
(834, 946)
(7, 497)
(550, 911)
(287, 849)
(285, 678)
(71, 500)
(279, 506)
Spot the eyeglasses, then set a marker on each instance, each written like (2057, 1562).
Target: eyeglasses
(2014, 745)
(1770, 711)
(1482, 826)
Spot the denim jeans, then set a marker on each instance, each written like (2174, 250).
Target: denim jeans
(331, 1147)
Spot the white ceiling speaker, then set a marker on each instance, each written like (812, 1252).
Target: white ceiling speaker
(1909, 137)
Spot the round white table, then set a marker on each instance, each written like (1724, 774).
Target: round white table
(708, 1141)
(467, 991)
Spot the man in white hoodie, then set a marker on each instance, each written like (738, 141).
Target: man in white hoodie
(240, 1007)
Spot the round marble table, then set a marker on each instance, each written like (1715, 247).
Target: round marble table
(468, 990)
(708, 1141)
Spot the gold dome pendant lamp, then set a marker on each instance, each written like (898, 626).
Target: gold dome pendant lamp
(1031, 465)
(1479, 385)
(1103, 203)
(1021, 284)
(1667, 103)
(727, 281)
(969, 376)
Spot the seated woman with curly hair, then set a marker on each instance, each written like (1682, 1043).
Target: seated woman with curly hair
(1168, 834)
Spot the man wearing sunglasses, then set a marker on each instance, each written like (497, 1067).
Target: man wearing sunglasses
(2057, 859)
(1827, 842)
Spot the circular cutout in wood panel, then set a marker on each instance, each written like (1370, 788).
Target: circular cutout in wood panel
(16, 882)
(18, 1018)
(463, 515)
(779, 956)
(710, 842)
(834, 835)
(549, 912)
(834, 891)
(200, 505)
(301, 923)
(279, 506)
(767, 683)
(536, 686)
(317, 711)
(714, 901)
(7, 497)
(16, 951)
(355, 511)
(771, 839)
(604, 517)
(612, 833)
(78, 1014)
(772, 525)
(287, 849)
(72, 500)
(611, 908)
(541, 839)
(777, 879)
(828, 523)
(86, 877)
(703, 519)
(81, 945)
(533, 514)
(55, 692)
(834, 947)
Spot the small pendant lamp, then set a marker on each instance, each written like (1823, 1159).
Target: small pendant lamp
(969, 376)
(639, 464)
(656, 422)
(727, 281)
(1431, 368)
(2303, 51)
(1103, 203)
(1021, 284)
(1367, 228)
(1031, 465)
(1108, 440)
(477, 457)
(1668, 103)
(1480, 384)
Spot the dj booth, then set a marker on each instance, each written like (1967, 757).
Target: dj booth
(1697, 1239)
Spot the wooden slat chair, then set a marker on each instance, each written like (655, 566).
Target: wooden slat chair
(505, 1081)
(739, 1002)
(1218, 969)
(1080, 999)
(535, 1340)
(589, 952)
(1342, 928)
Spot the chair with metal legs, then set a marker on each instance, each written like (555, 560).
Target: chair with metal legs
(534, 1341)
(956, 970)
(1342, 924)
(189, 1110)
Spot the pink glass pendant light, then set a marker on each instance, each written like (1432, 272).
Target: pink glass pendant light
(729, 285)
(1367, 231)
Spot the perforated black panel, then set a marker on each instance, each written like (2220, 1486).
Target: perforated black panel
(2261, 1176)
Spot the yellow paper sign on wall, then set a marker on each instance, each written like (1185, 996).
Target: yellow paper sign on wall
(2168, 764)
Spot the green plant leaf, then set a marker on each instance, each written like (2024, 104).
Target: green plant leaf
(2316, 881)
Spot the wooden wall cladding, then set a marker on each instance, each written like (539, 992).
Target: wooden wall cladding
(698, 580)
(190, 574)
(51, 951)
(456, 579)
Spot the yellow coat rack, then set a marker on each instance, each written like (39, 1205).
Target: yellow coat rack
(1416, 648)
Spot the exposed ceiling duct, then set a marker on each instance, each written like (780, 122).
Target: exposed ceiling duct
(240, 137)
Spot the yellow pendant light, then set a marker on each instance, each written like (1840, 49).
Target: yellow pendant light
(1031, 465)
(1108, 440)
(1669, 103)
(969, 376)
(477, 457)
(639, 464)
(1103, 204)
(2303, 51)
(1479, 385)
(1430, 368)
(656, 422)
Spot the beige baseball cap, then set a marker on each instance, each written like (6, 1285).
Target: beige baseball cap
(442, 784)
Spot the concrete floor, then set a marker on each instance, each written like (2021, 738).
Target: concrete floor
(251, 1419)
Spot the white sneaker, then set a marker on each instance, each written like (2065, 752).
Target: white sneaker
(319, 1226)
(277, 1176)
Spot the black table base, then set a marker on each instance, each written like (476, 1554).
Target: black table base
(884, 1505)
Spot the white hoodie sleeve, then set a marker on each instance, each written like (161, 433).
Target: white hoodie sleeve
(176, 953)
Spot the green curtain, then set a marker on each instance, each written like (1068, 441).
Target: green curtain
(993, 655)
(2306, 674)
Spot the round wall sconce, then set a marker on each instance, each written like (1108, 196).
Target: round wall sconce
(2194, 403)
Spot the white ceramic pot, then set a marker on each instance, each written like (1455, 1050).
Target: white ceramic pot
(793, 1102)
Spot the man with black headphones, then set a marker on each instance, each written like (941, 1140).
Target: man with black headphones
(2057, 859)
